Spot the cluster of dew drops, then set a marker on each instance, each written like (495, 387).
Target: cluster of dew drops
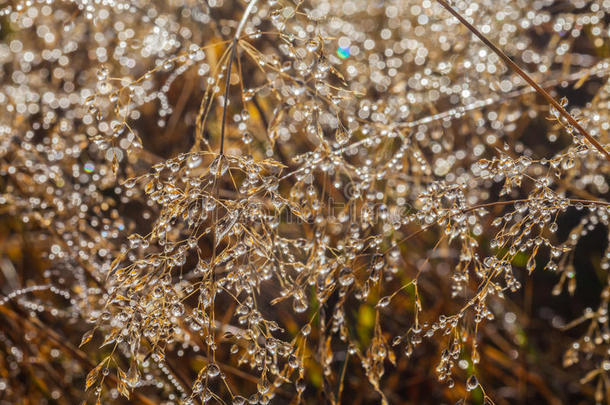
(351, 131)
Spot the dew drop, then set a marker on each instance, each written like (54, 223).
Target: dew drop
(194, 161)
(213, 370)
(346, 276)
(219, 166)
(238, 400)
(384, 302)
(472, 383)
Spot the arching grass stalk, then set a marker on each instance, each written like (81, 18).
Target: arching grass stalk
(527, 78)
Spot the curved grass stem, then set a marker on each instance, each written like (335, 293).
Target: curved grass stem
(240, 28)
(527, 78)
